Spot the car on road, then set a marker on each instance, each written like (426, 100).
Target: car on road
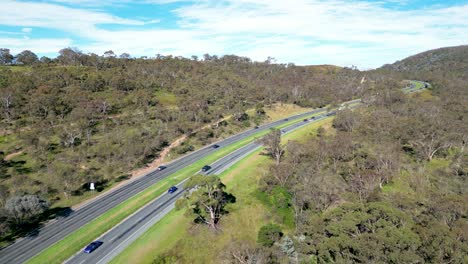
(215, 146)
(206, 168)
(286, 119)
(92, 246)
(256, 127)
(305, 119)
(173, 189)
(160, 168)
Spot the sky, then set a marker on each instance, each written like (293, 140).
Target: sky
(364, 33)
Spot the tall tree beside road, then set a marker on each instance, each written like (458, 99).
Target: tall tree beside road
(272, 143)
(24, 208)
(208, 200)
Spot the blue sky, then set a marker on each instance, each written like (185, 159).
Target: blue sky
(341, 32)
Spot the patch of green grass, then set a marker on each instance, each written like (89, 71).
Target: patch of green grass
(159, 238)
(8, 143)
(166, 98)
(16, 68)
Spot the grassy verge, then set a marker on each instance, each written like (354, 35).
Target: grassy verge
(72, 243)
(246, 216)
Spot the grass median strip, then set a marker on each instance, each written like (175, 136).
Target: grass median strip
(75, 241)
(241, 180)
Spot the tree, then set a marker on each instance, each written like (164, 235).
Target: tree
(124, 56)
(69, 56)
(109, 54)
(4, 193)
(45, 59)
(272, 143)
(24, 208)
(6, 103)
(346, 120)
(269, 234)
(5, 56)
(208, 200)
(26, 57)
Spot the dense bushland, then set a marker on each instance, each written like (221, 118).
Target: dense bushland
(84, 118)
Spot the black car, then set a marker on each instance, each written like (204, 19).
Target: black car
(305, 120)
(286, 119)
(173, 189)
(91, 247)
(206, 168)
(160, 168)
(256, 127)
(215, 146)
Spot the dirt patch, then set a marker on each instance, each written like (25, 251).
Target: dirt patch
(135, 174)
(12, 155)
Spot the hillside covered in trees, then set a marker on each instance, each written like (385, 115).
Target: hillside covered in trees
(84, 118)
(387, 184)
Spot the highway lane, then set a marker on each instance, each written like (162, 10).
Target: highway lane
(122, 235)
(29, 246)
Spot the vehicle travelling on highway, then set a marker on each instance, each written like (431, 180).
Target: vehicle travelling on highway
(206, 168)
(92, 246)
(215, 146)
(160, 168)
(173, 189)
(305, 120)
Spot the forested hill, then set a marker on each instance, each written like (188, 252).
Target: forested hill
(83, 117)
(449, 61)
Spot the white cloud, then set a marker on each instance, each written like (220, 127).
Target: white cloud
(26, 30)
(42, 46)
(301, 31)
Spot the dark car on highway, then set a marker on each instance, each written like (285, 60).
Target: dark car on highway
(206, 168)
(173, 189)
(160, 168)
(91, 247)
(215, 146)
(305, 120)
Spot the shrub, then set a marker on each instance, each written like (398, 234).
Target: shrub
(269, 234)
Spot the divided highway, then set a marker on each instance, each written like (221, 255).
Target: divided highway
(122, 235)
(25, 248)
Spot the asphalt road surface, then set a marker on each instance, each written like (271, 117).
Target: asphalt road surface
(27, 247)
